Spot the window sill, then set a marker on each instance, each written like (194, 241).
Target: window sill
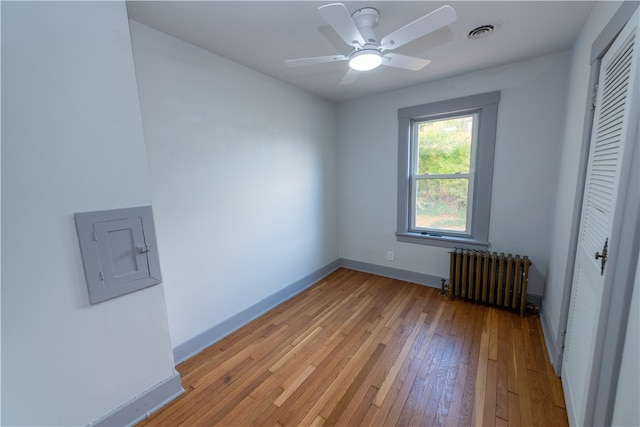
(443, 241)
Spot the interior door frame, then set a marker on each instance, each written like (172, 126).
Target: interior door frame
(612, 324)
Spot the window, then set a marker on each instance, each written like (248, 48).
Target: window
(445, 170)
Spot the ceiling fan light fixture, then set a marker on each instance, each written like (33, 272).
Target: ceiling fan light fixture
(365, 60)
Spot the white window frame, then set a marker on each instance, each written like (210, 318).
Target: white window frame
(481, 173)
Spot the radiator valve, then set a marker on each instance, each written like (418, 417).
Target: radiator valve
(532, 309)
(444, 288)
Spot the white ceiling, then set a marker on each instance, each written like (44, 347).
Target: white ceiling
(262, 34)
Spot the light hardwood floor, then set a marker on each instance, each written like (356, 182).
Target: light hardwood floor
(359, 349)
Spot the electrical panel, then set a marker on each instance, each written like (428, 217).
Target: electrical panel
(119, 251)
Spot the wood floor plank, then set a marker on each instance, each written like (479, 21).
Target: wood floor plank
(514, 410)
(354, 417)
(433, 324)
(354, 394)
(545, 369)
(411, 403)
(298, 346)
(395, 368)
(327, 401)
(371, 414)
(481, 374)
(437, 397)
(526, 412)
(537, 404)
(493, 334)
(530, 354)
(426, 356)
(500, 422)
(453, 418)
(502, 399)
(512, 362)
(253, 416)
(299, 379)
(441, 414)
(303, 400)
(473, 341)
(504, 334)
(359, 349)
(489, 418)
(426, 377)
(436, 406)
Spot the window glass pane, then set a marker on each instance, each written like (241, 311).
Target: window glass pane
(444, 146)
(442, 204)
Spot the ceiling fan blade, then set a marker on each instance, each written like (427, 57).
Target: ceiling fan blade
(315, 60)
(403, 61)
(350, 77)
(433, 21)
(337, 15)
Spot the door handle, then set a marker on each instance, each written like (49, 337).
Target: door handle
(603, 256)
(142, 249)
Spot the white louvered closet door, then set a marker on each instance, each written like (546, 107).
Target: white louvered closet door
(615, 116)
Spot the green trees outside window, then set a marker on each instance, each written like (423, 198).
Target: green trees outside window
(443, 173)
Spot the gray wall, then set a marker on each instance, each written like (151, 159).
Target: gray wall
(72, 141)
(530, 123)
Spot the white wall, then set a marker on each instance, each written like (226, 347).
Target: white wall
(530, 123)
(244, 180)
(72, 141)
(569, 179)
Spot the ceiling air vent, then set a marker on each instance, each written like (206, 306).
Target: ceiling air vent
(484, 30)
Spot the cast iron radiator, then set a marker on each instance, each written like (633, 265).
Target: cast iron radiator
(485, 277)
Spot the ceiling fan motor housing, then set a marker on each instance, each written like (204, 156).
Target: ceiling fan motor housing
(366, 20)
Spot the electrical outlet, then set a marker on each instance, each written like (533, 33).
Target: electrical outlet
(390, 256)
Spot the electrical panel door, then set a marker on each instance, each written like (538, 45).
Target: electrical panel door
(119, 251)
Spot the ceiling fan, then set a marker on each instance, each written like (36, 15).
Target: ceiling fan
(367, 53)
